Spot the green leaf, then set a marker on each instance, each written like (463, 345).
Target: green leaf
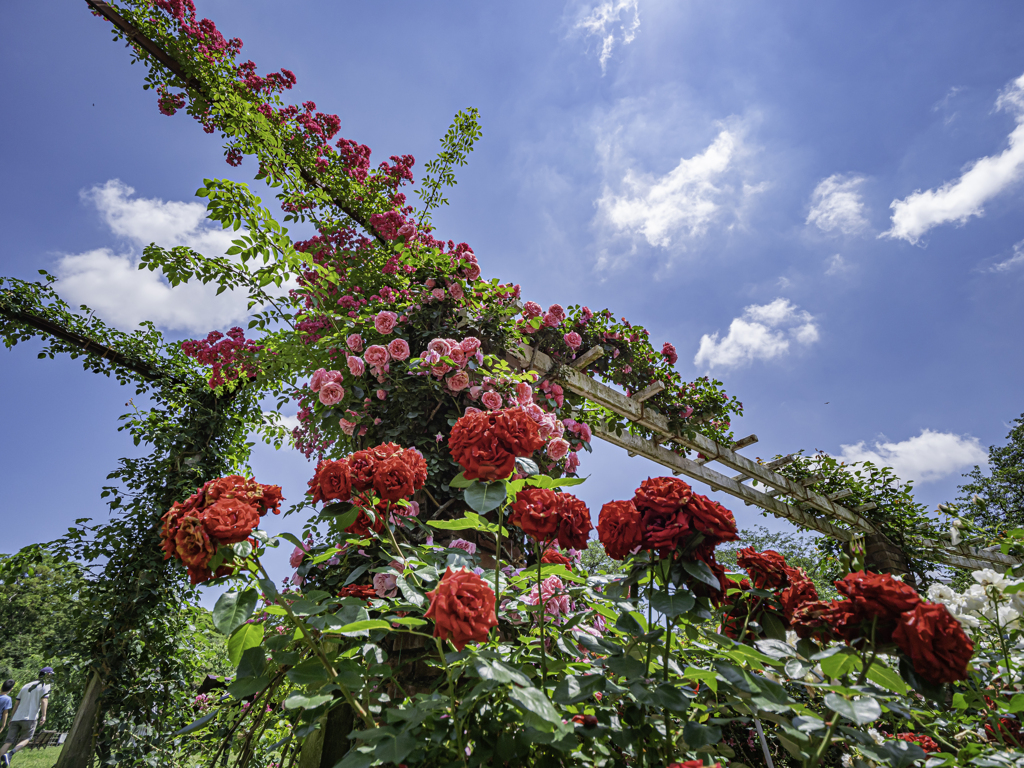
(409, 592)
(360, 628)
(245, 637)
(248, 686)
(887, 678)
(538, 710)
(862, 711)
(197, 724)
(252, 663)
(308, 672)
(527, 467)
(701, 572)
(707, 676)
(626, 666)
(460, 481)
(840, 664)
(499, 672)
(1016, 704)
(672, 605)
(470, 522)
(575, 689)
(408, 621)
(777, 649)
(696, 735)
(394, 749)
(483, 497)
(233, 609)
(298, 701)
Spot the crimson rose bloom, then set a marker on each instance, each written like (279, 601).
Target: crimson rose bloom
(662, 494)
(363, 591)
(575, 526)
(664, 530)
(768, 569)
(801, 590)
(394, 479)
(229, 521)
(332, 481)
(362, 525)
(619, 529)
(935, 643)
(693, 764)
(384, 451)
(873, 597)
(361, 465)
(811, 619)
(554, 557)
(192, 543)
(477, 449)
(271, 499)
(517, 432)
(462, 608)
(538, 512)
(923, 740)
(417, 464)
(170, 522)
(712, 519)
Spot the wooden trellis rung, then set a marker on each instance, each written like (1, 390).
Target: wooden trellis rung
(587, 358)
(866, 507)
(650, 391)
(743, 442)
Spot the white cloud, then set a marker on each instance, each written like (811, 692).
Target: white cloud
(929, 456)
(837, 265)
(763, 332)
(682, 202)
(111, 283)
(1013, 262)
(288, 422)
(836, 205)
(612, 22)
(957, 201)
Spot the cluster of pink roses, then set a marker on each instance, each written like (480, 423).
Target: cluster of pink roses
(447, 359)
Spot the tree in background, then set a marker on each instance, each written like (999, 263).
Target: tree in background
(995, 502)
(800, 549)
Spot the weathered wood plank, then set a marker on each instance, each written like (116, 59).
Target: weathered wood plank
(587, 358)
(743, 442)
(650, 391)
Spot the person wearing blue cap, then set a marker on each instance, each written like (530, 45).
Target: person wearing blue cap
(29, 713)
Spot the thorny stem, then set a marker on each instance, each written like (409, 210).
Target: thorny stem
(543, 608)
(497, 566)
(650, 614)
(825, 742)
(451, 696)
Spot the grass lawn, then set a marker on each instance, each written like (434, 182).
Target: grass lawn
(36, 758)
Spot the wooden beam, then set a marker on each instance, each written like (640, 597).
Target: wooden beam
(841, 494)
(866, 507)
(719, 482)
(743, 442)
(587, 358)
(650, 391)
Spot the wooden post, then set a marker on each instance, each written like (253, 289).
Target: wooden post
(882, 556)
(77, 750)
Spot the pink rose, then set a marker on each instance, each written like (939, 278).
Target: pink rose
(687, 412)
(430, 282)
(470, 410)
(532, 309)
(524, 393)
(473, 272)
(377, 355)
(430, 357)
(456, 291)
(458, 357)
(474, 392)
(385, 321)
(551, 321)
(466, 546)
(573, 340)
(479, 357)
(332, 393)
(534, 411)
(398, 349)
(440, 370)
(441, 346)
(355, 342)
(585, 433)
(298, 555)
(347, 426)
(546, 426)
(319, 377)
(438, 293)
(385, 584)
(355, 365)
(558, 394)
(470, 345)
(572, 462)
(491, 400)
(458, 381)
(557, 311)
(557, 449)
(382, 394)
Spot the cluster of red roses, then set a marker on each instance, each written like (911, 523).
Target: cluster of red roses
(546, 515)
(924, 741)
(387, 471)
(665, 515)
(879, 611)
(486, 443)
(223, 511)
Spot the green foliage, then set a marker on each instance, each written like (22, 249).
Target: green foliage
(994, 502)
(456, 145)
(801, 550)
(595, 561)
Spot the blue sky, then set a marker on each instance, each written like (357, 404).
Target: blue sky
(817, 203)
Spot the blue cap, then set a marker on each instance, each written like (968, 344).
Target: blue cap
(46, 671)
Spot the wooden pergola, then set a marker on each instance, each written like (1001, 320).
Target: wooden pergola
(809, 508)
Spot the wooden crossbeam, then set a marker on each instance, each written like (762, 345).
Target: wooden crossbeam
(743, 442)
(961, 556)
(587, 358)
(649, 392)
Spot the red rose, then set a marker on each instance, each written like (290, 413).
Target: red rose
(231, 487)
(199, 574)
(664, 530)
(362, 525)
(662, 494)
(1009, 730)
(801, 590)
(693, 764)
(712, 519)
(927, 743)
(361, 465)
(768, 569)
(418, 466)
(935, 643)
(362, 591)
(587, 721)
(575, 527)
(394, 479)
(332, 481)
(517, 432)
(271, 499)
(230, 520)
(537, 512)
(874, 598)
(192, 543)
(462, 608)
(554, 557)
(384, 451)
(811, 619)
(169, 525)
(619, 529)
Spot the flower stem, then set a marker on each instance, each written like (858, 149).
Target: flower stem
(497, 566)
(543, 608)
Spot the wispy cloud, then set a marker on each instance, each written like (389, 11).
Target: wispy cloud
(929, 456)
(957, 201)
(837, 265)
(679, 205)
(111, 283)
(763, 332)
(1015, 261)
(612, 22)
(836, 204)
